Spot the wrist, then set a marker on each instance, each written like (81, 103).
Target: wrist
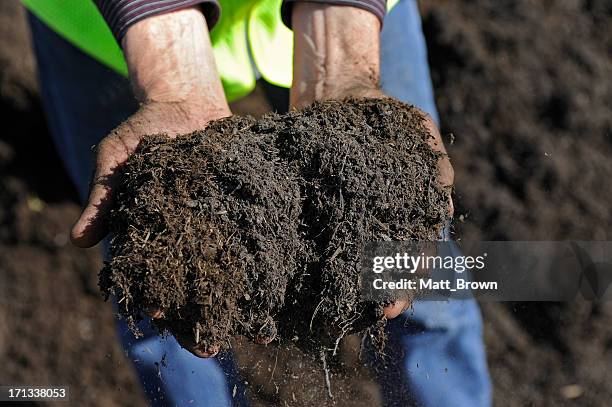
(174, 118)
(170, 60)
(337, 52)
(186, 111)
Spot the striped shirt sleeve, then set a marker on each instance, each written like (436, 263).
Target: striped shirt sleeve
(378, 7)
(121, 14)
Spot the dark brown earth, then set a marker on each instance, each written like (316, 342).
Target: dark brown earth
(540, 69)
(525, 88)
(256, 227)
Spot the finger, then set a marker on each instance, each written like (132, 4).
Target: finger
(204, 354)
(394, 309)
(267, 333)
(447, 174)
(264, 340)
(188, 342)
(91, 227)
(155, 313)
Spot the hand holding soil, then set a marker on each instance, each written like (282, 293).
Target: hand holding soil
(180, 92)
(355, 89)
(256, 228)
(171, 119)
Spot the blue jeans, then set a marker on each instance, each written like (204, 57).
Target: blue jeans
(439, 355)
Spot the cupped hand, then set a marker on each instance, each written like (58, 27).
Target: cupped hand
(113, 151)
(447, 174)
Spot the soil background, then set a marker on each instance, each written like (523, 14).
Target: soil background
(524, 86)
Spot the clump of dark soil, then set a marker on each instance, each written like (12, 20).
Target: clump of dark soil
(256, 227)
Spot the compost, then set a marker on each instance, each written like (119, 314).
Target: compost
(256, 227)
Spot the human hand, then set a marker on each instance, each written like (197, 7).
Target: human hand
(336, 56)
(113, 151)
(445, 170)
(173, 75)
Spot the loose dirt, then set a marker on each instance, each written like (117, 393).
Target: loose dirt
(256, 227)
(524, 87)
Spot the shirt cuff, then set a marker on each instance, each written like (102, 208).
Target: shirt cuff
(121, 14)
(378, 7)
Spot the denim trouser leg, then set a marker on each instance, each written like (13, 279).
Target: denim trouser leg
(439, 357)
(442, 359)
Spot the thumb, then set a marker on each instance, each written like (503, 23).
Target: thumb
(91, 226)
(394, 309)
